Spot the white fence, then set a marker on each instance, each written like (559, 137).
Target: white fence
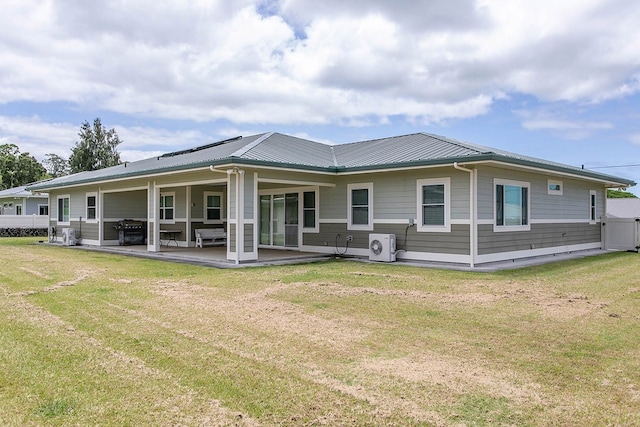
(24, 221)
(621, 233)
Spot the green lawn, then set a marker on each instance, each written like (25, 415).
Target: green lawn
(91, 338)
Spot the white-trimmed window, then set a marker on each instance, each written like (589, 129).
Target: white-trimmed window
(310, 211)
(554, 187)
(167, 207)
(43, 209)
(92, 207)
(213, 208)
(434, 204)
(511, 208)
(360, 203)
(64, 214)
(593, 197)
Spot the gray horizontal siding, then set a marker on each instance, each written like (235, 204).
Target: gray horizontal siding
(540, 236)
(395, 194)
(127, 205)
(456, 242)
(572, 204)
(90, 231)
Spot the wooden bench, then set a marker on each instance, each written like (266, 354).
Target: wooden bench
(210, 236)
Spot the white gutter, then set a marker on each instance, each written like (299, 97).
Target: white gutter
(473, 212)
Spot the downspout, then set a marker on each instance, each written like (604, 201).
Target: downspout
(472, 213)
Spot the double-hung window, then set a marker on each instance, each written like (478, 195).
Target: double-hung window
(212, 207)
(167, 207)
(360, 203)
(309, 210)
(92, 206)
(592, 206)
(511, 205)
(434, 210)
(63, 210)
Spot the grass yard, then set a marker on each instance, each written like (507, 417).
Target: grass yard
(89, 338)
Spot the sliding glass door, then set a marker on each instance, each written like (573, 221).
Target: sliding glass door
(279, 220)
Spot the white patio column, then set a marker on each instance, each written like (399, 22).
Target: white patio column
(153, 215)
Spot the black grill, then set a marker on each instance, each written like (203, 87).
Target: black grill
(131, 232)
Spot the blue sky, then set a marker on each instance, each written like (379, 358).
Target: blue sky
(558, 80)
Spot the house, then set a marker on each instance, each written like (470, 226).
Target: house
(443, 199)
(20, 201)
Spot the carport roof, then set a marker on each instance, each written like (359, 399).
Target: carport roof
(275, 149)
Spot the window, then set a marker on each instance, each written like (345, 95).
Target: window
(92, 206)
(167, 207)
(592, 206)
(43, 209)
(18, 209)
(212, 207)
(433, 204)
(512, 205)
(309, 213)
(554, 187)
(63, 210)
(360, 213)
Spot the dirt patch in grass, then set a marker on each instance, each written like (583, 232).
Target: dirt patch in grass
(34, 272)
(458, 375)
(266, 314)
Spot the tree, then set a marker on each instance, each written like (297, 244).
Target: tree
(617, 194)
(97, 148)
(17, 168)
(55, 165)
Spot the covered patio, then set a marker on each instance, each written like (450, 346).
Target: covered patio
(212, 256)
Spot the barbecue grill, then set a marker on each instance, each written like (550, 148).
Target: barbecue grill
(131, 232)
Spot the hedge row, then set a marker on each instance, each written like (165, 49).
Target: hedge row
(23, 232)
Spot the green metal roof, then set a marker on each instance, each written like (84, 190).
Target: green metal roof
(275, 149)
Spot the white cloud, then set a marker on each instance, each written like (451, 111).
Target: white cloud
(564, 127)
(430, 61)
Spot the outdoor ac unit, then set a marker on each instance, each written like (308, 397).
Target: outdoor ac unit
(68, 236)
(382, 247)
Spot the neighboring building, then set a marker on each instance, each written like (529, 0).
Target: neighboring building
(20, 201)
(445, 200)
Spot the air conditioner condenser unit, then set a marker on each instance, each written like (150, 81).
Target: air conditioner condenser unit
(382, 247)
(68, 236)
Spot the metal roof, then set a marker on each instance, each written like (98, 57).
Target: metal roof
(275, 149)
(20, 192)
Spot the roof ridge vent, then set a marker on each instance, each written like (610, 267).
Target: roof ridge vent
(200, 148)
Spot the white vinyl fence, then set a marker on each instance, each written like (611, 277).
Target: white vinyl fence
(621, 233)
(24, 221)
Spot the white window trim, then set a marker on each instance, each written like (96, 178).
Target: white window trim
(86, 197)
(594, 194)
(446, 228)
(168, 221)
(316, 208)
(507, 228)
(42, 205)
(63, 196)
(360, 186)
(18, 207)
(206, 194)
(551, 182)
